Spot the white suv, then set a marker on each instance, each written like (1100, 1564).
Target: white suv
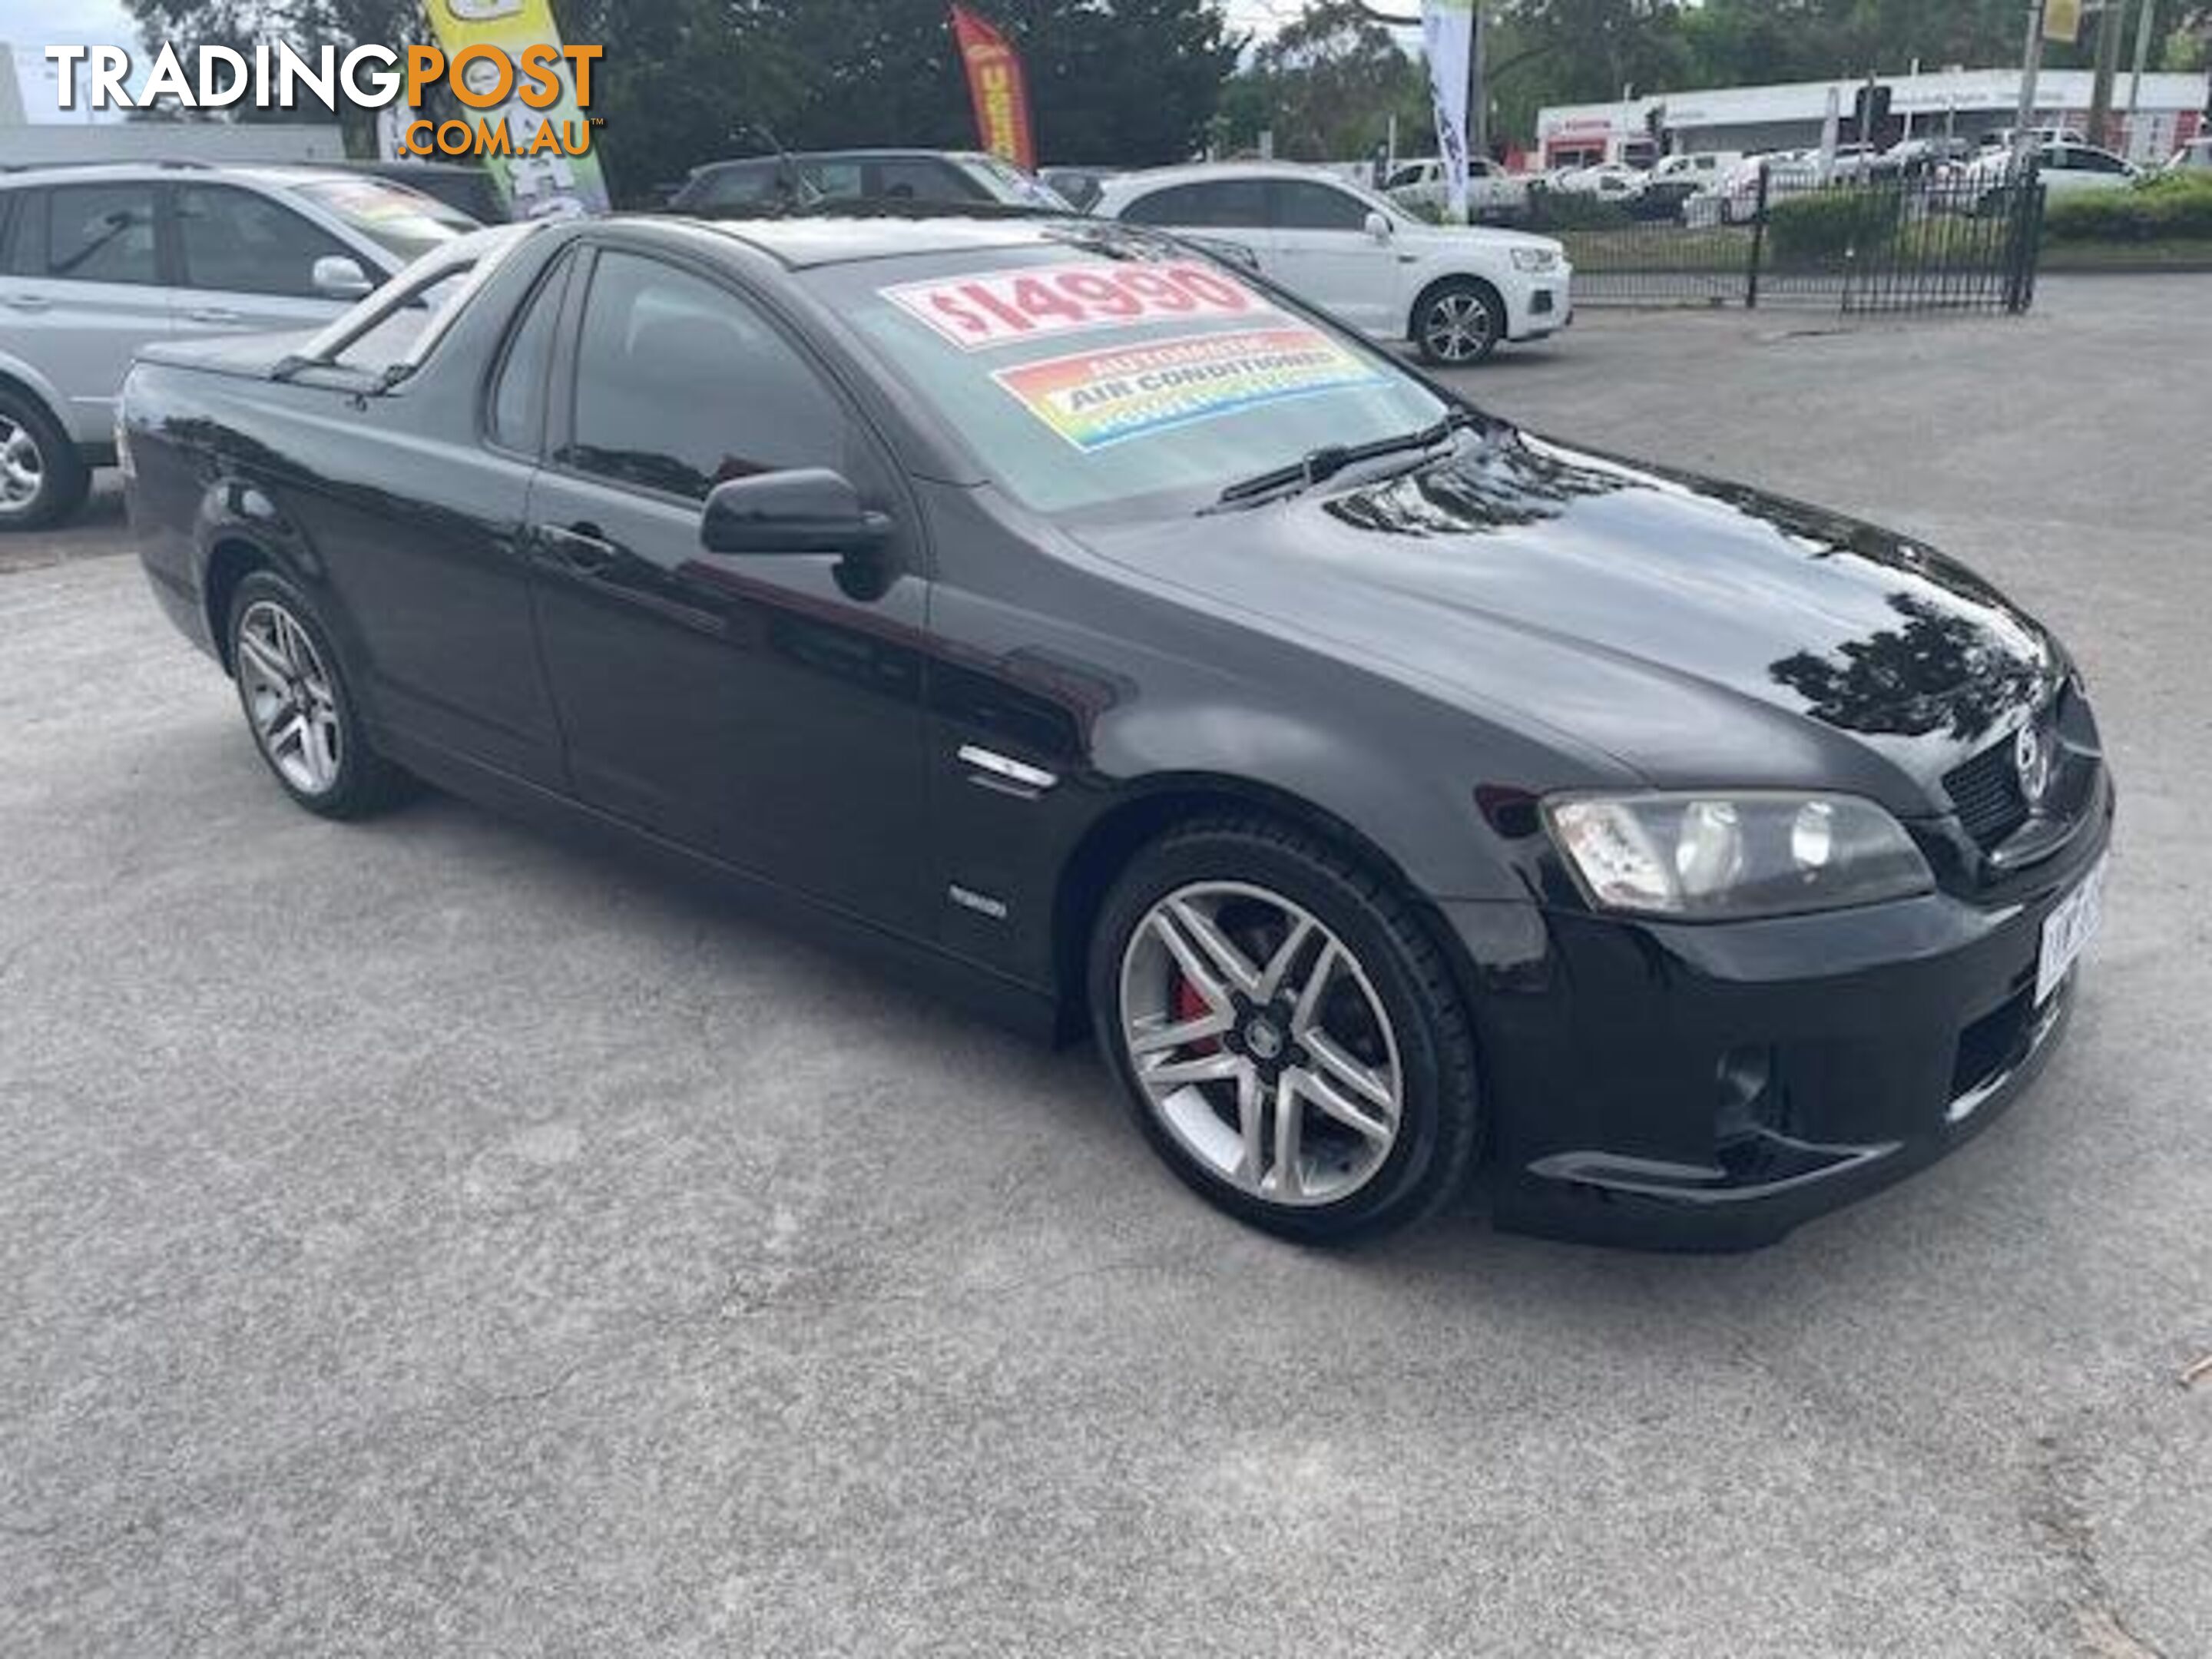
(96, 262)
(1454, 291)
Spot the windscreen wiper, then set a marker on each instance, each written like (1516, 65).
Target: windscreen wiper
(1317, 466)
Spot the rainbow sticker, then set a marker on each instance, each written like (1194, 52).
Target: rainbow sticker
(1093, 398)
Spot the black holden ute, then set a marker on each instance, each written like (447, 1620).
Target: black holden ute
(1093, 627)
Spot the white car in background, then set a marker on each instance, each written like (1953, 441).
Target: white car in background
(2065, 170)
(1454, 291)
(1734, 198)
(1852, 162)
(1704, 168)
(1492, 192)
(1610, 181)
(97, 261)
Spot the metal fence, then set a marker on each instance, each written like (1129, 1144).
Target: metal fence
(1959, 241)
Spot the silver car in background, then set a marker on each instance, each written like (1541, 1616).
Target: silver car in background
(97, 261)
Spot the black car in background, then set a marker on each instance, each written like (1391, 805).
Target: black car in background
(813, 178)
(1102, 634)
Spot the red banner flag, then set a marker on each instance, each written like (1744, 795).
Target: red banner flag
(996, 89)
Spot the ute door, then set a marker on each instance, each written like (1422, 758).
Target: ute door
(244, 263)
(1323, 253)
(765, 708)
(81, 291)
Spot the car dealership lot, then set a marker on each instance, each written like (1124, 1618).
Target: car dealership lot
(422, 1237)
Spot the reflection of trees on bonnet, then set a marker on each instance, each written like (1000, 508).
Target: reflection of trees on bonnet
(1824, 534)
(1937, 668)
(1496, 487)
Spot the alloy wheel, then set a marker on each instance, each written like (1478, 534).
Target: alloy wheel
(23, 468)
(290, 697)
(1458, 326)
(1260, 1043)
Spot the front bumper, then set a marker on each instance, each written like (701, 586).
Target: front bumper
(1711, 1087)
(1545, 306)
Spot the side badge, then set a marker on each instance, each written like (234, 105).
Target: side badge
(1003, 773)
(981, 903)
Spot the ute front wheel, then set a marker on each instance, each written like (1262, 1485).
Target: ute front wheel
(1288, 1034)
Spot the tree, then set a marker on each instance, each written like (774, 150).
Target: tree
(683, 81)
(1576, 51)
(307, 25)
(1328, 85)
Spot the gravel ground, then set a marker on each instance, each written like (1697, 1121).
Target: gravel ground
(420, 1238)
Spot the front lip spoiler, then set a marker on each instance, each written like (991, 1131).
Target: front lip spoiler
(1804, 1161)
(1766, 1184)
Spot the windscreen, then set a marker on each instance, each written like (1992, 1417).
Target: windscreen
(1105, 374)
(406, 221)
(1013, 186)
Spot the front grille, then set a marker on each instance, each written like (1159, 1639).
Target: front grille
(1985, 793)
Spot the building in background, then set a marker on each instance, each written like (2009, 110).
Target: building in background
(67, 141)
(1789, 115)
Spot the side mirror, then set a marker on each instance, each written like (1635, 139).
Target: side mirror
(1378, 225)
(339, 277)
(808, 509)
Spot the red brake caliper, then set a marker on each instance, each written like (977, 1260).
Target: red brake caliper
(1189, 1005)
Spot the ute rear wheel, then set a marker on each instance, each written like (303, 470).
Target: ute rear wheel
(298, 705)
(1288, 1036)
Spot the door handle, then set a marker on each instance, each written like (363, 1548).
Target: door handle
(26, 302)
(577, 548)
(214, 314)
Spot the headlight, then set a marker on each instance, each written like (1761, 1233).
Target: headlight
(1535, 259)
(1711, 857)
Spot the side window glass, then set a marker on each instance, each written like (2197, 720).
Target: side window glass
(17, 207)
(1174, 206)
(235, 241)
(1304, 206)
(1237, 203)
(919, 180)
(728, 186)
(516, 414)
(680, 384)
(101, 233)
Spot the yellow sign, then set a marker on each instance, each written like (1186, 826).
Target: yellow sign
(484, 39)
(2062, 21)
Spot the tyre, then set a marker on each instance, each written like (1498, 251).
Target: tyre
(42, 478)
(297, 706)
(1287, 1034)
(1458, 323)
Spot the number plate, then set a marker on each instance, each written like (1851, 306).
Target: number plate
(2070, 924)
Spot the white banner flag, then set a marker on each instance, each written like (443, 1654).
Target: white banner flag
(1447, 31)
